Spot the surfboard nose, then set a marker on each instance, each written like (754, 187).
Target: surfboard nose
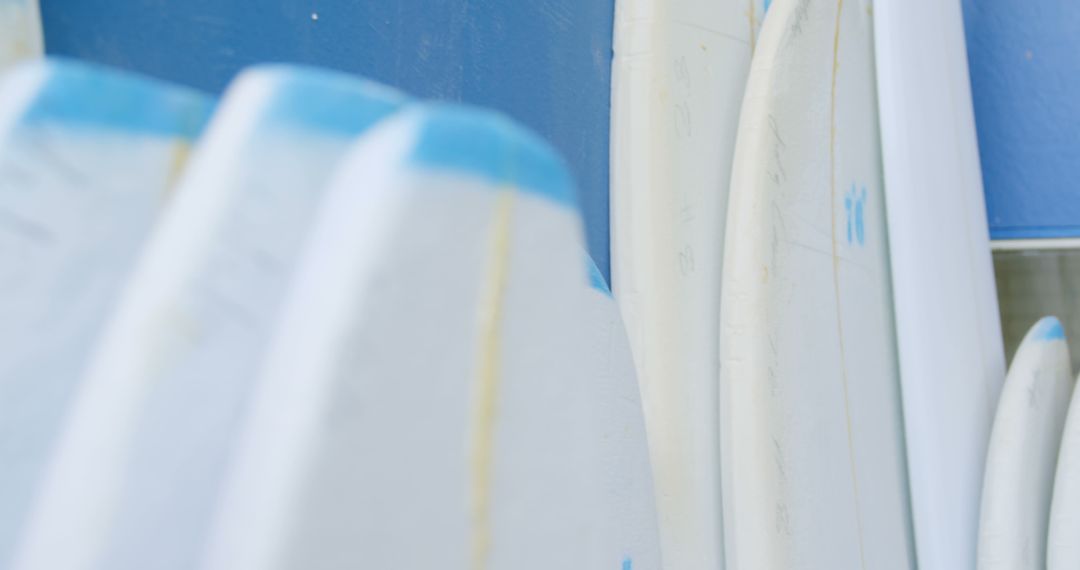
(1047, 329)
(330, 102)
(86, 95)
(489, 145)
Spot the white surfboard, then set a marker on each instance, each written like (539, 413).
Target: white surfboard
(811, 428)
(87, 157)
(1062, 548)
(678, 76)
(21, 36)
(154, 425)
(619, 426)
(425, 403)
(948, 329)
(1022, 457)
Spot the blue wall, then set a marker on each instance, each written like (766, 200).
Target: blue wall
(545, 62)
(1025, 78)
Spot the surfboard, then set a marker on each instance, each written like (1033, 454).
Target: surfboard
(678, 76)
(153, 426)
(619, 425)
(87, 157)
(423, 383)
(21, 36)
(1022, 457)
(949, 337)
(811, 428)
(1062, 551)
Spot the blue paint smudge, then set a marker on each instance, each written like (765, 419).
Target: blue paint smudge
(627, 564)
(767, 3)
(490, 145)
(326, 101)
(855, 206)
(847, 208)
(596, 279)
(860, 230)
(84, 95)
(1048, 328)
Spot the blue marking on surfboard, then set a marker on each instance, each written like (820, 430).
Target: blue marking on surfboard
(490, 145)
(767, 3)
(855, 206)
(327, 101)
(1049, 328)
(93, 97)
(596, 279)
(847, 209)
(627, 564)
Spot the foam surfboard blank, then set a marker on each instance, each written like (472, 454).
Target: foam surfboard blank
(678, 76)
(949, 337)
(1062, 549)
(811, 430)
(1023, 452)
(424, 403)
(21, 36)
(87, 157)
(154, 424)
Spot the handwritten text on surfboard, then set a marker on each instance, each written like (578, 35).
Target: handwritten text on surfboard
(854, 205)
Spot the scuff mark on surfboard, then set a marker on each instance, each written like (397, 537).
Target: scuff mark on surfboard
(802, 15)
(487, 383)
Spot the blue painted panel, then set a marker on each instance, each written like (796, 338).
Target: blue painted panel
(1025, 77)
(546, 63)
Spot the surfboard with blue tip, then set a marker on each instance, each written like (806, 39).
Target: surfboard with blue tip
(87, 159)
(150, 434)
(426, 401)
(1018, 486)
(21, 36)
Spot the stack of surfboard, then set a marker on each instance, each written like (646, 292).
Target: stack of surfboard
(1022, 499)
(819, 371)
(320, 326)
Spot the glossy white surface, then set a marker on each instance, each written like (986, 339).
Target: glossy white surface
(948, 330)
